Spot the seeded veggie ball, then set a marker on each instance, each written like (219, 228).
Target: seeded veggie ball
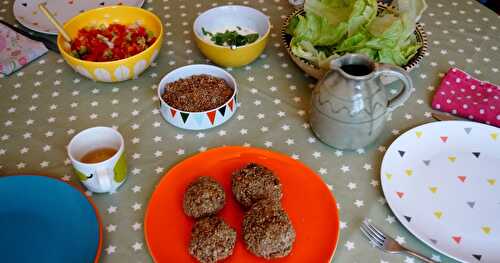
(211, 240)
(267, 230)
(203, 197)
(253, 183)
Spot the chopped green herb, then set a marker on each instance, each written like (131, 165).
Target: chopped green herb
(205, 32)
(231, 38)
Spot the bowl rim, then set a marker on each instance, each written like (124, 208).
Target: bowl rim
(164, 82)
(261, 38)
(413, 63)
(155, 17)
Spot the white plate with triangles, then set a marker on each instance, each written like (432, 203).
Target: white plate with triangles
(442, 181)
(28, 14)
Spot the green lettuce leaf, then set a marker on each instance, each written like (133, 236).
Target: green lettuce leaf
(332, 28)
(363, 12)
(317, 31)
(334, 11)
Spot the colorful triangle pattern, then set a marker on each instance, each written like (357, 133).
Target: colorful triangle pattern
(211, 116)
(184, 116)
(173, 112)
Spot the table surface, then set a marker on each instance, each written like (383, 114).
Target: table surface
(44, 104)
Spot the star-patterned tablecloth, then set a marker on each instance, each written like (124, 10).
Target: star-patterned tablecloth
(45, 104)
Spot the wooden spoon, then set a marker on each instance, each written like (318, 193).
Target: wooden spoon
(56, 23)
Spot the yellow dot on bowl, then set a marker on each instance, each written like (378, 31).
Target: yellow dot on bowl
(486, 229)
(419, 134)
(409, 172)
(452, 159)
(433, 189)
(438, 214)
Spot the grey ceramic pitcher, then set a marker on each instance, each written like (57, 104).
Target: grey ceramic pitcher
(350, 104)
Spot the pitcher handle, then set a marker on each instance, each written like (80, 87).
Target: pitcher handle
(401, 74)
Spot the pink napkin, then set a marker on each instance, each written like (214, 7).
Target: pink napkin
(464, 96)
(17, 50)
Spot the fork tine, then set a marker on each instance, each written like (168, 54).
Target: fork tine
(374, 240)
(375, 230)
(372, 234)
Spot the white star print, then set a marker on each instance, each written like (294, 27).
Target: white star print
(136, 226)
(316, 155)
(44, 164)
(351, 185)
(311, 140)
(156, 124)
(110, 249)
(200, 135)
(290, 141)
(359, 203)
(180, 151)
(158, 154)
(136, 206)
(222, 132)
(46, 148)
(137, 246)
(136, 156)
(135, 140)
(367, 166)
(349, 245)
(323, 171)
(158, 169)
(179, 136)
(343, 225)
(345, 168)
(111, 228)
(295, 156)
(374, 183)
(202, 149)
(261, 115)
(19, 165)
(24, 150)
(281, 114)
(112, 209)
(268, 144)
(136, 189)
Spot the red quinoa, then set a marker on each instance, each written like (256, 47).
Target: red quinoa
(197, 93)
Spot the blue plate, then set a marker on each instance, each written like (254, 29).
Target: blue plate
(43, 219)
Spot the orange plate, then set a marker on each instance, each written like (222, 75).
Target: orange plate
(309, 203)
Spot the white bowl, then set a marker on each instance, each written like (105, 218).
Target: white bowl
(203, 119)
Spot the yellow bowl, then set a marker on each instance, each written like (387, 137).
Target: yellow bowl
(218, 19)
(118, 70)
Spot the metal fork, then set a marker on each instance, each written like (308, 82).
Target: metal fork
(386, 243)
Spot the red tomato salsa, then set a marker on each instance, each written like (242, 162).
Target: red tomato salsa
(113, 42)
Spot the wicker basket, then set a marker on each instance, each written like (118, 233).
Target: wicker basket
(317, 73)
